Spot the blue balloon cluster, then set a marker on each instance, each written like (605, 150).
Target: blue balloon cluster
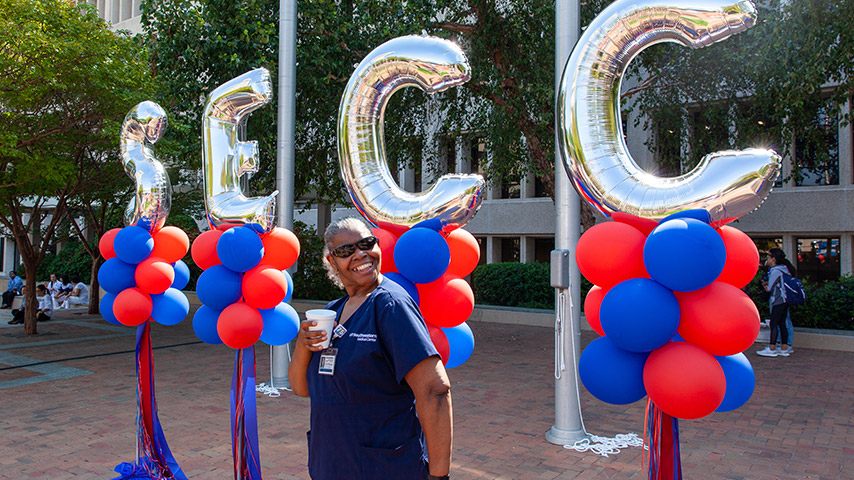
(684, 253)
(240, 249)
(132, 245)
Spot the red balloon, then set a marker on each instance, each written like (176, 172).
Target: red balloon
(465, 252)
(645, 225)
(440, 341)
(240, 325)
(281, 248)
(264, 287)
(204, 249)
(105, 244)
(611, 252)
(720, 319)
(591, 308)
(132, 307)
(684, 380)
(447, 302)
(154, 275)
(742, 257)
(170, 244)
(387, 241)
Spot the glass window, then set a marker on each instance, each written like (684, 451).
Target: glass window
(710, 132)
(818, 258)
(510, 249)
(755, 129)
(817, 150)
(511, 189)
(543, 248)
(481, 243)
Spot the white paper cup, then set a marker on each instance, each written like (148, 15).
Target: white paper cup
(325, 321)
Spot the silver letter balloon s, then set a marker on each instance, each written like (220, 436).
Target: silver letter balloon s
(143, 126)
(433, 65)
(728, 184)
(225, 157)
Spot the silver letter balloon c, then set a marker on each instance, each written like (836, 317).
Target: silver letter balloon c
(433, 65)
(728, 184)
(225, 158)
(143, 126)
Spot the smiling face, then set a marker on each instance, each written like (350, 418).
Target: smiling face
(359, 271)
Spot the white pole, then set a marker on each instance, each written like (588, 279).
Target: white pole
(280, 356)
(568, 427)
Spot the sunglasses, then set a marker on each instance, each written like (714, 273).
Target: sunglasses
(344, 251)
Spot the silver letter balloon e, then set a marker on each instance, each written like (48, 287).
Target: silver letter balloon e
(433, 65)
(143, 126)
(225, 158)
(728, 184)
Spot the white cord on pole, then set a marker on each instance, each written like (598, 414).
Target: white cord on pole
(606, 446)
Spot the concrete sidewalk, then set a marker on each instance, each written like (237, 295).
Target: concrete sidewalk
(68, 406)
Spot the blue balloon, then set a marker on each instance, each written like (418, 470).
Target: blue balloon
(431, 223)
(290, 281)
(684, 254)
(182, 275)
(406, 284)
(421, 255)
(740, 381)
(240, 249)
(219, 287)
(170, 307)
(460, 343)
(612, 374)
(107, 309)
(639, 315)
(116, 275)
(133, 244)
(696, 213)
(204, 324)
(281, 324)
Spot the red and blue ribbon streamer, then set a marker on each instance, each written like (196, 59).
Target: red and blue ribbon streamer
(664, 458)
(244, 417)
(154, 459)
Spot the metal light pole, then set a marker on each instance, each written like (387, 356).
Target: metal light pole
(280, 356)
(568, 427)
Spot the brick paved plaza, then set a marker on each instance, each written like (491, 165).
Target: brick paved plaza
(74, 417)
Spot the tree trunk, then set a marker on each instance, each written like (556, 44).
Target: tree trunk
(30, 303)
(95, 287)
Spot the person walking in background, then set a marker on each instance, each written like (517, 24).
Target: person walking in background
(79, 295)
(12, 290)
(42, 314)
(776, 264)
(381, 394)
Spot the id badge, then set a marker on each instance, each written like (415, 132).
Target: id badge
(327, 361)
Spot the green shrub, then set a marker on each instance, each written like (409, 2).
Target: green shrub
(72, 259)
(310, 280)
(513, 284)
(828, 305)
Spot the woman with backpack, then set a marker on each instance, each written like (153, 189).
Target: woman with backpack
(777, 267)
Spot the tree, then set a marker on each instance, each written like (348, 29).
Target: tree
(66, 81)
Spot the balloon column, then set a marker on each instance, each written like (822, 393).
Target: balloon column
(423, 248)
(667, 299)
(244, 287)
(143, 276)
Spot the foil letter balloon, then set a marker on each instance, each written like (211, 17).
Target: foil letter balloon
(728, 184)
(143, 126)
(225, 158)
(433, 65)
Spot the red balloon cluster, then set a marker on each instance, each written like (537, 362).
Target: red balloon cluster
(448, 301)
(682, 377)
(264, 287)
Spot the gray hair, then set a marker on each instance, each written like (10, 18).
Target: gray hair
(348, 224)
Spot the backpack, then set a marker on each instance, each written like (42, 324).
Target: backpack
(794, 291)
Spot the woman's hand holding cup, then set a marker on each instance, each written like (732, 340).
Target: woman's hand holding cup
(311, 339)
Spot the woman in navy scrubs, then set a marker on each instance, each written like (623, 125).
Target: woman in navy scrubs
(380, 397)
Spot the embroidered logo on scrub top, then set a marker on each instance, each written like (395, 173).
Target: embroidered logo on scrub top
(364, 337)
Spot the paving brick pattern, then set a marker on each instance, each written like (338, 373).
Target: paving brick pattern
(798, 425)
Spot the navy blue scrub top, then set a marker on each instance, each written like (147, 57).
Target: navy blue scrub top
(363, 421)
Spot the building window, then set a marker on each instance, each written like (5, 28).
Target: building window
(817, 150)
(510, 249)
(511, 189)
(818, 258)
(543, 249)
(450, 155)
(481, 243)
(755, 130)
(539, 188)
(478, 156)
